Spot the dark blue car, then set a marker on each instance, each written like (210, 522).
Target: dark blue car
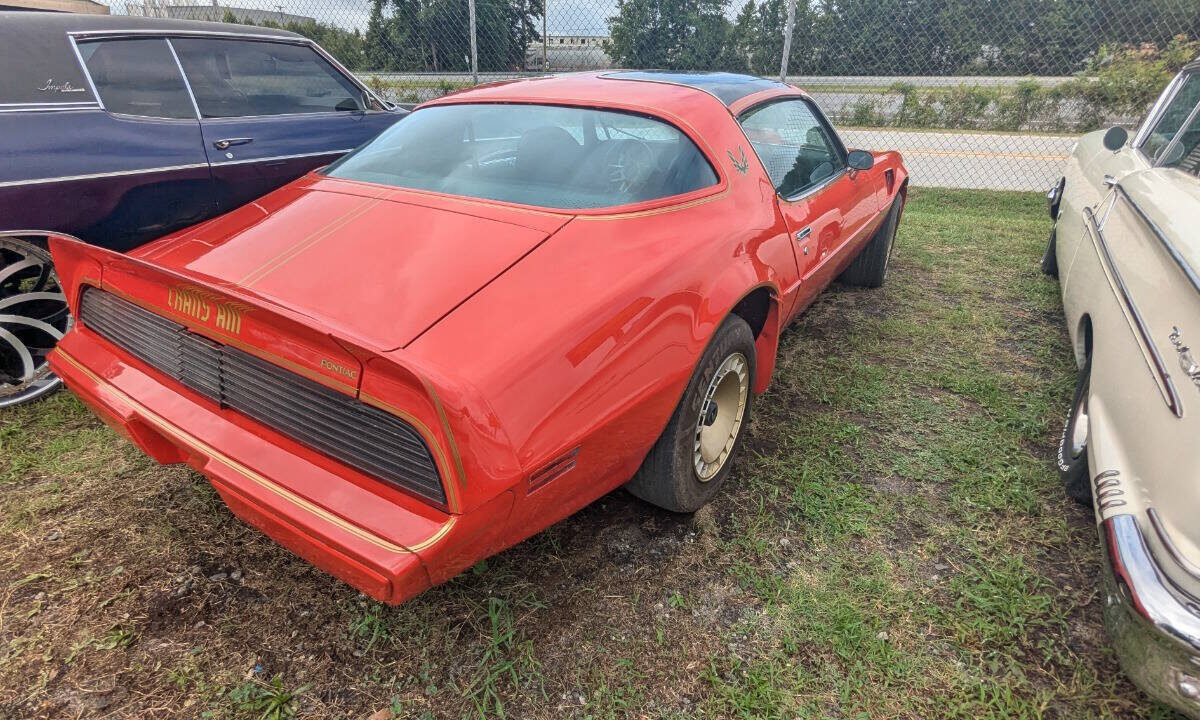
(118, 130)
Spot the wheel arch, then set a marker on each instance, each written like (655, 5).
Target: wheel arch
(1082, 345)
(759, 307)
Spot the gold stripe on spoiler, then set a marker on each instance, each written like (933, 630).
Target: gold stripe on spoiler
(204, 448)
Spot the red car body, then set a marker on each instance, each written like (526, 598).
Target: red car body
(538, 353)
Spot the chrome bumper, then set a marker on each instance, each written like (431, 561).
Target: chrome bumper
(1154, 627)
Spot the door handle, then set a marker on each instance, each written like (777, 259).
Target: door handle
(224, 143)
(803, 234)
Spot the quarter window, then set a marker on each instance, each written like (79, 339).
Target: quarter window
(238, 78)
(137, 77)
(795, 146)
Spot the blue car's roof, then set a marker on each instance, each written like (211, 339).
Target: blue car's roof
(40, 66)
(726, 87)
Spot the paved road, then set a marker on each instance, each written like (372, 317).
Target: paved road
(989, 161)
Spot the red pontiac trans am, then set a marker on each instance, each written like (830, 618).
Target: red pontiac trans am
(513, 301)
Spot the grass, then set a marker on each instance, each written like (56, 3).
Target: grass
(893, 543)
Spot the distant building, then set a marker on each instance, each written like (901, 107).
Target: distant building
(212, 13)
(567, 52)
(70, 6)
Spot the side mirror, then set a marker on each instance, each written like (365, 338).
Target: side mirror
(860, 160)
(1115, 138)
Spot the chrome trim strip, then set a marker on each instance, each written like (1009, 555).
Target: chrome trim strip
(81, 108)
(162, 32)
(1160, 529)
(84, 69)
(801, 195)
(23, 105)
(1155, 360)
(280, 157)
(1180, 261)
(187, 84)
(69, 178)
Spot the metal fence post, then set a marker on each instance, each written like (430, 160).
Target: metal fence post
(474, 46)
(787, 40)
(545, 42)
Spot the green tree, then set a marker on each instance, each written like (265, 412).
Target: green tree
(669, 34)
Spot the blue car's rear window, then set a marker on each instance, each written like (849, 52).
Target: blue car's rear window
(542, 155)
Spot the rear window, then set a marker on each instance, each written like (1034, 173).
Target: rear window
(547, 156)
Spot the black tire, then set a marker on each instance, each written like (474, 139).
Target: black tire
(669, 476)
(1072, 459)
(870, 268)
(1050, 259)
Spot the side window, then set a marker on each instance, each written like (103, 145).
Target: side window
(1173, 116)
(794, 145)
(137, 77)
(238, 78)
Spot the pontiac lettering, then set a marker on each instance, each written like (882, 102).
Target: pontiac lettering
(339, 368)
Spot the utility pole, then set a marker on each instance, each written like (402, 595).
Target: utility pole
(280, 8)
(787, 41)
(474, 49)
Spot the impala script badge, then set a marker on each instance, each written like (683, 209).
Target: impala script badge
(63, 87)
(739, 161)
(1186, 362)
(202, 306)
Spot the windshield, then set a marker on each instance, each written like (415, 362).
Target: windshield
(547, 156)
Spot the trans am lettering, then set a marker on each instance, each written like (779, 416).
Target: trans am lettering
(198, 305)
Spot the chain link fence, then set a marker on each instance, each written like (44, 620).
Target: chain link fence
(975, 93)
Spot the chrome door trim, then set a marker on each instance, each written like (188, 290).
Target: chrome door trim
(187, 84)
(49, 107)
(1167, 245)
(219, 163)
(1153, 359)
(92, 176)
(803, 194)
(84, 69)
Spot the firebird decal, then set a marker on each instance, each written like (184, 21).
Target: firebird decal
(1186, 362)
(739, 161)
(202, 306)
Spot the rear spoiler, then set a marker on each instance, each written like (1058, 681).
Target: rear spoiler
(224, 313)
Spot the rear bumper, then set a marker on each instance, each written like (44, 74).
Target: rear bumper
(381, 546)
(1155, 629)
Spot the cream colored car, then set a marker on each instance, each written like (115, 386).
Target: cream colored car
(1126, 249)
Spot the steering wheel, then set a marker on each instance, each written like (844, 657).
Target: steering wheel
(628, 164)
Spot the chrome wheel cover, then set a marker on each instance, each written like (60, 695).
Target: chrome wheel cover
(33, 318)
(721, 413)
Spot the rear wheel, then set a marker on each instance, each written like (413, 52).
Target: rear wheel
(1072, 446)
(870, 268)
(33, 317)
(692, 458)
